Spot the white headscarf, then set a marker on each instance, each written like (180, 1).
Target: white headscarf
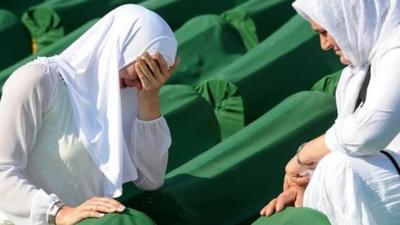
(364, 30)
(90, 68)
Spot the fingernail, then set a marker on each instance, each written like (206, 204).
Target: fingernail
(121, 208)
(101, 214)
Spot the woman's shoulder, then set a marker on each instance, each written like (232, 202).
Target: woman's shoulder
(35, 78)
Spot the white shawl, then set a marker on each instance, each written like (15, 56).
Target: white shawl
(90, 68)
(364, 30)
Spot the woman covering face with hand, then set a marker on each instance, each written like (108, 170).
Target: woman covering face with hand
(78, 125)
(349, 173)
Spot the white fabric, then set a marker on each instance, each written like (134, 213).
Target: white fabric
(355, 184)
(90, 67)
(360, 190)
(43, 159)
(368, 32)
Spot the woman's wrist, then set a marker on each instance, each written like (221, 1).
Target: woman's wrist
(300, 157)
(149, 105)
(54, 211)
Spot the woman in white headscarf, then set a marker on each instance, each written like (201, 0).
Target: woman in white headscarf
(343, 173)
(76, 126)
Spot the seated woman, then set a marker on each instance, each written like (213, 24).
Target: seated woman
(78, 125)
(353, 167)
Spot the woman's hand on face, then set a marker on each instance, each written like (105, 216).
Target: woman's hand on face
(95, 207)
(293, 196)
(153, 71)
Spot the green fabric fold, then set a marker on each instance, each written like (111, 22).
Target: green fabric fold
(244, 25)
(228, 106)
(328, 84)
(40, 21)
(193, 125)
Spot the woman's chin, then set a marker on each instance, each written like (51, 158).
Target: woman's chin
(344, 60)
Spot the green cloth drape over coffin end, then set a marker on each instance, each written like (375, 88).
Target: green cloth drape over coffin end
(193, 125)
(229, 183)
(277, 68)
(294, 216)
(253, 19)
(328, 84)
(43, 20)
(209, 43)
(245, 26)
(48, 21)
(225, 99)
(53, 49)
(15, 41)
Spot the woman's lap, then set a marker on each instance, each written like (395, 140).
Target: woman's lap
(355, 190)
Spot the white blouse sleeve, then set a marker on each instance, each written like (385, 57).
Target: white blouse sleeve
(26, 95)
(150, 143)
(376, 123)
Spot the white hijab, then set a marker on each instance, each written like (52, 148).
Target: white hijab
(90, 68)
(364, 30)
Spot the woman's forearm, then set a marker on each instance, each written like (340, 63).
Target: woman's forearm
(149, 105)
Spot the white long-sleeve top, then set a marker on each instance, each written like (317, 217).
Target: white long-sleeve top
(376, 124)
(42, 158)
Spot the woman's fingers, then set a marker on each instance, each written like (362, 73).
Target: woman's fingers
(153, 71)
(163, 64)
(286, 182)
(90, 214)
(153, 65)
(292, 196)
(269, 209)
(173, 68)
(298, 181)
(299, 199)
(284, 199)
(102, 204)
(142, 76)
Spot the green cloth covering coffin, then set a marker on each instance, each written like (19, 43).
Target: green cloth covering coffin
(48, 21)
(231, 182)
(53, 49)
(277, 68)
(166, 8)
(192, 123)
(253, 19)
(294, 216)
(208, 43)
(15, 41)
(19, 6)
